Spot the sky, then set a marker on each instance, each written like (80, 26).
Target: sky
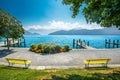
(45, 16)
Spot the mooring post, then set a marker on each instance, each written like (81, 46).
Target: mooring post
(84, 42)
(76, 44)
(88, 43)
(18, 43)
(10, 44)
(114, 44)
(117, 43)
(5, 42)
(24, 43)
(13, 43)
(73, 43)
(105, 43)
(109, 43)
(79, 42)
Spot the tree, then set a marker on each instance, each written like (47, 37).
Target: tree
(10, 27)
(103, 12)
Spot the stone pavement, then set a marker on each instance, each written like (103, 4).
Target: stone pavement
(71, 59)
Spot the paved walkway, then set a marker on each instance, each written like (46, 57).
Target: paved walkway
(73, 58)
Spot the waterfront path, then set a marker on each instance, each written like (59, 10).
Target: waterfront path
(71, 59)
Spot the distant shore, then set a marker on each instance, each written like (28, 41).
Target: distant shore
(71, 59)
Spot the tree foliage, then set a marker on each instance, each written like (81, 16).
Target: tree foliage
(103, 12)
(10, 27)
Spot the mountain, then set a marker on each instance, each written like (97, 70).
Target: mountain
(29, 33)
(104, 31)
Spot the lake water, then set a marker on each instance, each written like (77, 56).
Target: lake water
(96, 41)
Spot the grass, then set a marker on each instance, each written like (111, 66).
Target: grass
(12, 73)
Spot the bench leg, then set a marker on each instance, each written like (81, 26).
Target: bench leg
(86, 65)
(10, 64)
(27, 65)
(105, 65)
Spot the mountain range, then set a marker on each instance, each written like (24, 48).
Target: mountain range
(104, 31)
(29, 33)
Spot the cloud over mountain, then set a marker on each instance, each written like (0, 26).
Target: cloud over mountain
(104, 31)
(53, 26)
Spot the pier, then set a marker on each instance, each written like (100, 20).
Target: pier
(15, 42)
(81, 44)
(112, 43)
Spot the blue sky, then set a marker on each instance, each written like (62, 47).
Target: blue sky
(45, 16)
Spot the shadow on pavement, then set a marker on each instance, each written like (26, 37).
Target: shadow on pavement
(6, 52)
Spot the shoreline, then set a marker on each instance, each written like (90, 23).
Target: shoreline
(71, 59)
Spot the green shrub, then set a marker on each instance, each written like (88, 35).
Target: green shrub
(33, 47)
(46, 48)
(57, 48)
(38, 51)
(40, 46)
(66, 48)
(52, 49)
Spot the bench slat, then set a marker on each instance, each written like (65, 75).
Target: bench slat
(18, 61)
(96, 61)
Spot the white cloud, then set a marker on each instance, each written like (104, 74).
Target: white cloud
(59, 25)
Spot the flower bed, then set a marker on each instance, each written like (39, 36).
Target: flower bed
(49, 48)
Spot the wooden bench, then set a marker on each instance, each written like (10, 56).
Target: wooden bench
(104, 62)
(12, 61)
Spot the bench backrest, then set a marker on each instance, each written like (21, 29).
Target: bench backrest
(95, 61)
(21, 61)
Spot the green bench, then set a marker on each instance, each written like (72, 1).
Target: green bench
(104, 62)
(12, 61)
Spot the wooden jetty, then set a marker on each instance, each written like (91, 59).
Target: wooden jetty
(81, 44)
(112, 43)
(15, 42)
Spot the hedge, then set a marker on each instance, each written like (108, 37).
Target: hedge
(49, 48)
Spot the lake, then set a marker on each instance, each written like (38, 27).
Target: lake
(96, 41)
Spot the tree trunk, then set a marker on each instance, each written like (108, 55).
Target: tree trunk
(8, 44)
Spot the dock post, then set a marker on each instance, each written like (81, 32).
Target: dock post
(117, 43)
(5, 43)
(81, 44)
(109, 43)
(105, 43)
(13, 43)
(84, 42)
(24, 43)
(10, 44)
(73, 43)
(77, 44)
(113, 43)
(88, 43)
(18, 43)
